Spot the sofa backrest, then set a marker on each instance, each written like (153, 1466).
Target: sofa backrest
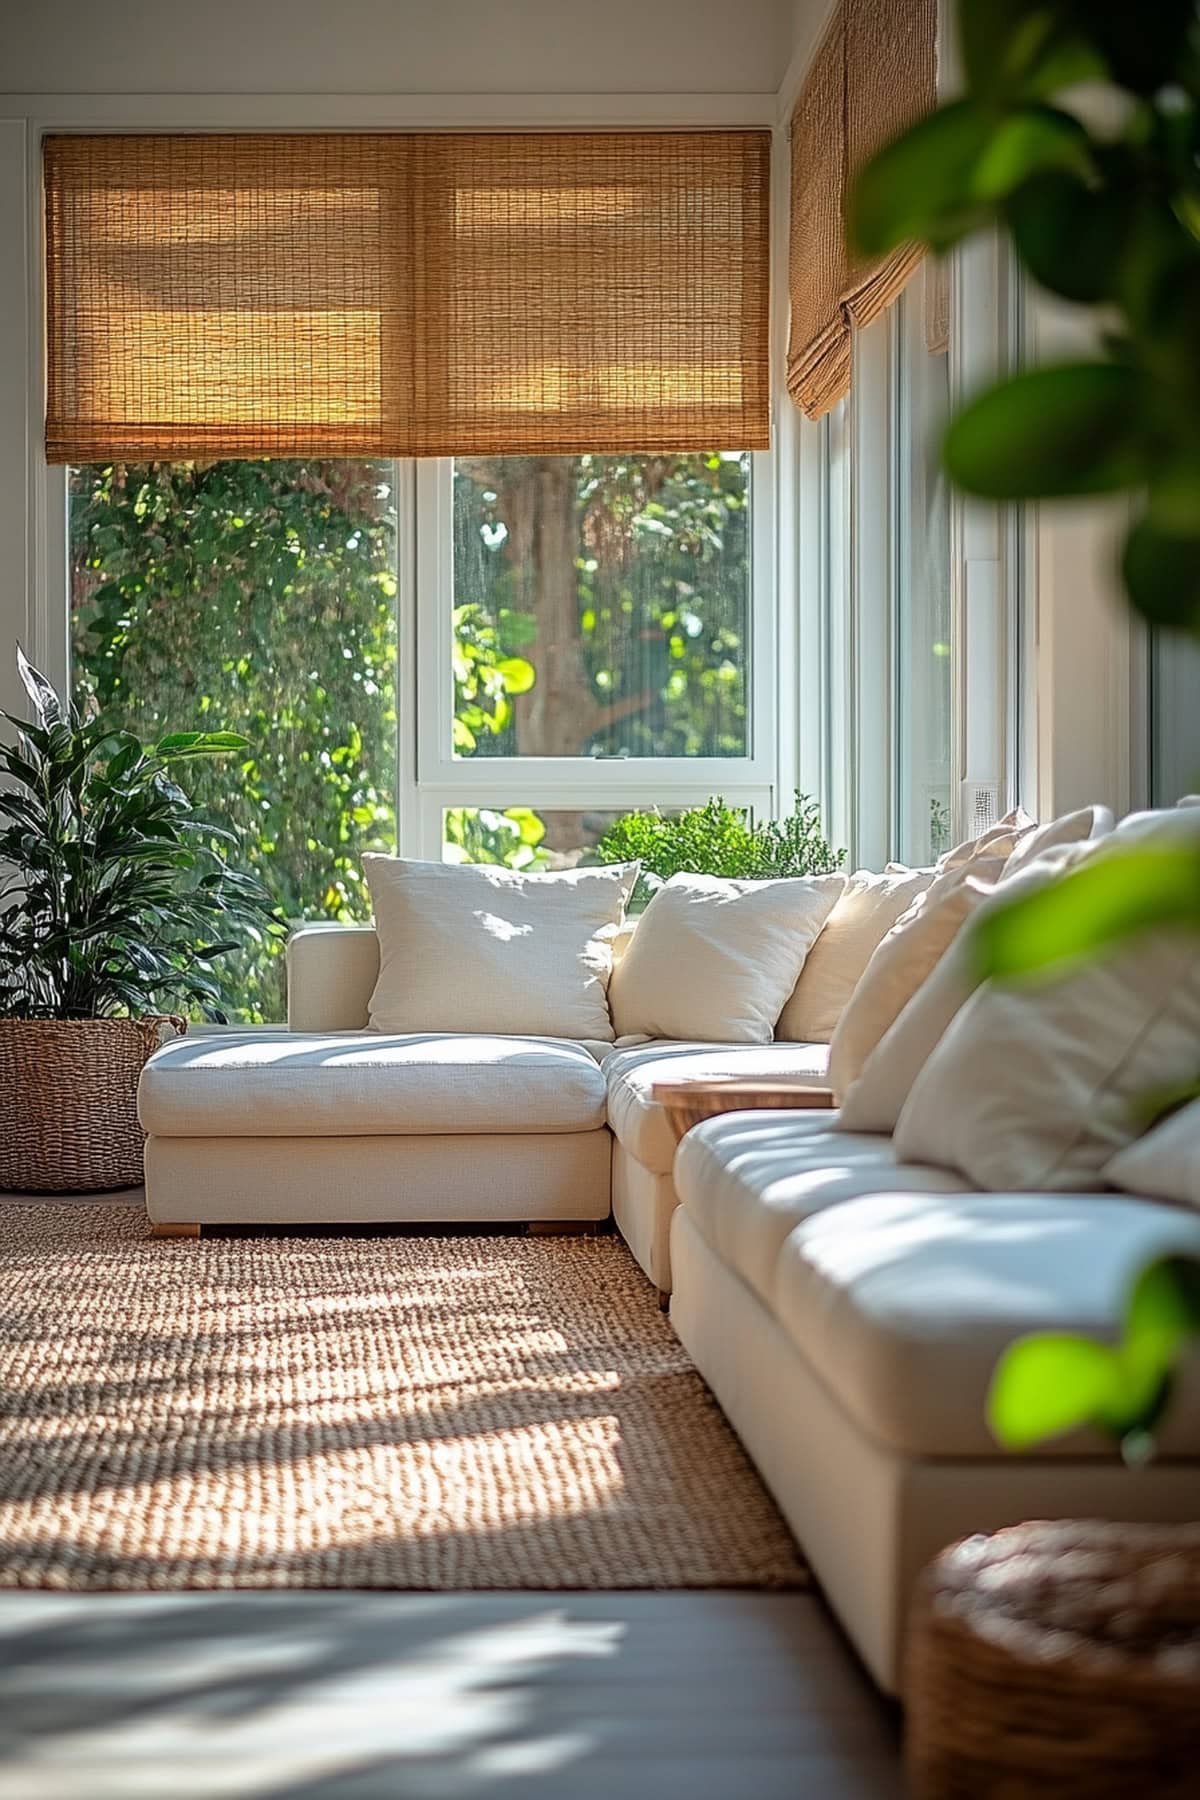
(332, 970)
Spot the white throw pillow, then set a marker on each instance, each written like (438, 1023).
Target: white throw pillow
(852, 933)
(874, 1101)
(470, 947)
(1165, 1163)
(1088, 825)
(1036, 1084)
(999, 840)
(904, 961)
(714, 960)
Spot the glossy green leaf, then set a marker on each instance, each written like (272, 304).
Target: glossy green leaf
(919, 187)
(49, 708)
(1047, 1384)
(1077, 428)
(1023, 48)
(1110, 898)
(118, 894)
(199, 743)
(1163, 1310)
(1141, 45)
(1161, 569)
(1069, 237)
(1033, 141)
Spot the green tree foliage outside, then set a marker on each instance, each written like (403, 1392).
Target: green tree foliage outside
(261, 596)
(601, 607)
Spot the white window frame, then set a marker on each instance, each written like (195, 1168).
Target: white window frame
(440, 780)
(429, 779)
(860, 490)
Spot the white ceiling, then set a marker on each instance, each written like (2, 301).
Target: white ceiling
(400, 46)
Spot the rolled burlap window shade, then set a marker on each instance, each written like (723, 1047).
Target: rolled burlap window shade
(874, 73)
(406, 294)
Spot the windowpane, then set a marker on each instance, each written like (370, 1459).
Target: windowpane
(601, 606)
(256, 597)
(523, 837)
(924, 661)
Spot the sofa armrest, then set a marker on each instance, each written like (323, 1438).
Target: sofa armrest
(331, 971)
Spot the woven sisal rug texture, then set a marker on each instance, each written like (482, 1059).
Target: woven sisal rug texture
(359, 1412)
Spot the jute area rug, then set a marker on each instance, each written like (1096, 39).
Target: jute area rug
(357, 1412)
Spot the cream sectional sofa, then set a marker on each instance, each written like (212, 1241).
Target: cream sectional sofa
(848, 1310)
(328, 1122)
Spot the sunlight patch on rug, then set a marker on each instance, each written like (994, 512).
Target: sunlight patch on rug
(360, 1412)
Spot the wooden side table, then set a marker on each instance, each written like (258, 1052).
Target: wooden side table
(688, 1102)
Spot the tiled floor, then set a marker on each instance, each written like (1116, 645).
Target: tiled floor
(712, 1696)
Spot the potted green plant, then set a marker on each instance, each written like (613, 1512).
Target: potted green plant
(115, 901)
(716, 839)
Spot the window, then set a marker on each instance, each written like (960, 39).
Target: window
(924, 670)
(523, 837)
(589, 634)
(256, 597)
(601, 606)
(896, 587)
(586, 643)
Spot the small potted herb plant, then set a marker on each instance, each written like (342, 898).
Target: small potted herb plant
(715, 839)
(115, 901)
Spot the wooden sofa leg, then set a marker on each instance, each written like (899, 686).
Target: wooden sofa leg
(163, 1229)
(664, 1299)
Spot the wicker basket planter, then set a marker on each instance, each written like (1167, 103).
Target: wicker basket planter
(68, 1102)
(1061, 1660)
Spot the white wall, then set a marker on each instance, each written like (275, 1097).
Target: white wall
(1088, 669)
(397, 46)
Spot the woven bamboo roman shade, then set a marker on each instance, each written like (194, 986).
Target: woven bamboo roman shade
(406, 294)
(874, 73)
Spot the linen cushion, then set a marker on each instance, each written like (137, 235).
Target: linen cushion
(904, 960)
(714, 960)
(904, 1302)
(900, 1286)
(1089, 824)
(470, 947)
(862, 918)
(748, 1179)
(1036, 1085)
(874, 1100)
(641, 1124)
(1000, 840)
(1165, 1162)
(354, 1084)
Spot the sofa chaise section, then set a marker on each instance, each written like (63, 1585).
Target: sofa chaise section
(349, 1127)
(848, 1311)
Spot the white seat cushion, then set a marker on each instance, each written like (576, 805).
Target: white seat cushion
(748, 1179)
(361, 1084)
(642, 1125)
(903, 1302)
(900, 1288)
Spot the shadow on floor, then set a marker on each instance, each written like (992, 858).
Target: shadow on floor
(439, 1697)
